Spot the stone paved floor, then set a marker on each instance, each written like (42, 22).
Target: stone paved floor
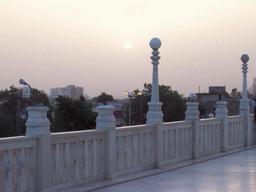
(234, 172)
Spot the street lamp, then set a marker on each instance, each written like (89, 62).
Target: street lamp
(25, 83)
(135, 94)
(130, 95)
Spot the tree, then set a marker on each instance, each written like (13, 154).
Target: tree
(72, 115)
(235, 93)
(174, 106)
(39, 98)
(15, 105)
(104, 97)
(6, 126)
(10, 112)
(4, 94)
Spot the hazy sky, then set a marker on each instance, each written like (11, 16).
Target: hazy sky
(54, 43)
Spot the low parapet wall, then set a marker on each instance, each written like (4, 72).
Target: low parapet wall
(80, 157)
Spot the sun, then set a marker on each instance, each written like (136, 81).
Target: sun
(127, 44)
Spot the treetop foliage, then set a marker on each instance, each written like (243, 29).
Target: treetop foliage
(174, 106)
(72, 115)
(14, 105)
(104, 97)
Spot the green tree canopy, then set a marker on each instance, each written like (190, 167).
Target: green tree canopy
(104, 97)
(10, 112)
(72, 115)
(6, 126)
(39, 98)
(15, 105)
(4, 94)
(235, 93)
(174, 106)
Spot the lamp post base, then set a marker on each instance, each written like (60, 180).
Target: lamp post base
(244, 108)
(155, 114)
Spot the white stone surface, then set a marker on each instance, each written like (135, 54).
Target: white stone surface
(235, 172)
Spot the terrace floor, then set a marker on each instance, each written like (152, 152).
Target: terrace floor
(230, 171)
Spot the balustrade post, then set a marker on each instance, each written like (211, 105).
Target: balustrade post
(244, 108)
(192, 114)
(159, 146)
(106, 121)
(38, 125)
(222, 113)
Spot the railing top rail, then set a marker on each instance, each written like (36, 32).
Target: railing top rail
(77, 133)
(176, 122)
(16, 139)
(209, 121)
(136, 128)
(234, 118)
(17, 142)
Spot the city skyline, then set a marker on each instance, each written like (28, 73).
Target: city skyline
(104, 46)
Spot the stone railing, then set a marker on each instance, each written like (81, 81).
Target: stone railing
(44, 161)
(18, 163)
(76, 158)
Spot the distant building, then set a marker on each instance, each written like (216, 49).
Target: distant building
(26, 93)
(221, 90)
(71, 91)
(207, 101)
(86, 97)
(254, 87)
(118, 110)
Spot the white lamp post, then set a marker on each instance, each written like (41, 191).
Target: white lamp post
(244, 102)
(155, 114)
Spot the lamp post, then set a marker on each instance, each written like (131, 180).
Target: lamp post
(155, 114)
(140, 96)
(244, 108)
(130, 95)
(23, 82)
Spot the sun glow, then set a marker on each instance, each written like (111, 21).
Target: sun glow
(127, 45)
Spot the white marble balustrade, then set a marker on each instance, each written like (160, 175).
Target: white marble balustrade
(252, 133)
(236, 132)
(18, 164)
(177, 141)
(134, 149)
(210, 136)
(77, 157)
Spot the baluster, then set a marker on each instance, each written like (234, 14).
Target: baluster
(166, 149)
(135, 149)
(57, 161)
(67, 150)
(77, 160)
(94, 158)
(9, 164)
(23, 170)
(86, 160)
